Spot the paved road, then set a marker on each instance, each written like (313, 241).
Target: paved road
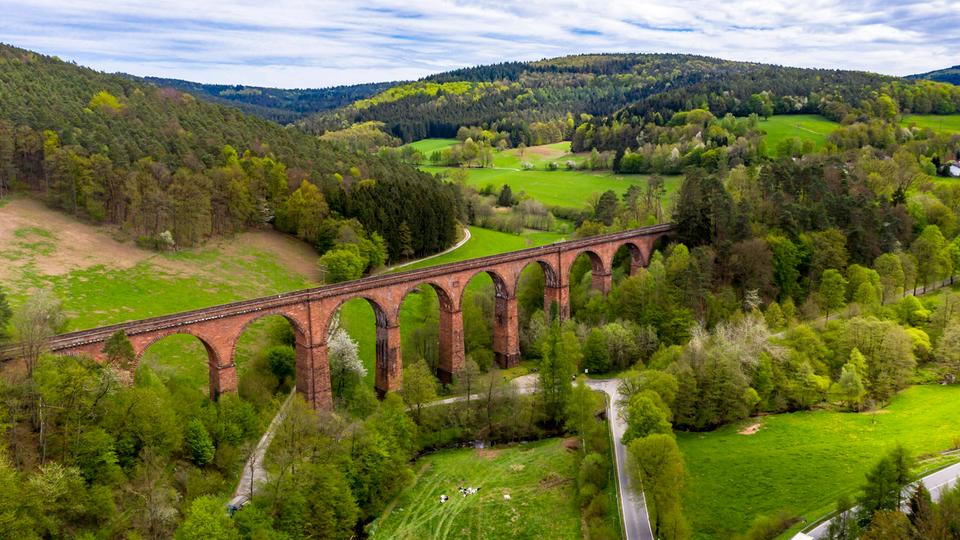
(636, 522)
(935, 483)
(458, 245)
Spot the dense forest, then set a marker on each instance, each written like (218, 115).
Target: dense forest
(536, 101)
(171, 170)
(281, 105)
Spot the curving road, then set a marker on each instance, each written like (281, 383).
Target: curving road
(636, 522)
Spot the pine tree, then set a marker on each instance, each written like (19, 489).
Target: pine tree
(406, 241)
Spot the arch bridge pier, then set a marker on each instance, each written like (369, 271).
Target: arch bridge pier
(310, 313)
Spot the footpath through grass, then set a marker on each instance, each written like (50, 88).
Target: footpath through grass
(805, 461)
(537, 476)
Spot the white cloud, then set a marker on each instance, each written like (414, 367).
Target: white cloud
(292, 43)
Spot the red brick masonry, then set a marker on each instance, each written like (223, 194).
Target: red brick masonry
(309, 312)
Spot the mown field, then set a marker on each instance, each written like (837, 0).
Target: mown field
(537, 476)
(947, 123)
(805, 461)
(807, 127)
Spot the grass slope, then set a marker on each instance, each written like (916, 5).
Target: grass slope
(804, 461)
(812, 127)
(537, 476)
(101, 281)
(946, 123)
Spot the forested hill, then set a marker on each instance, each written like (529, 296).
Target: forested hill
(172, 169)
(281, 105)
(947, 75)
(536, 101)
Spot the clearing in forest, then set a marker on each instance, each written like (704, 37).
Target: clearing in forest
(538, 478)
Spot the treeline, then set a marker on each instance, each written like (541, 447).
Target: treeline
(173, 171)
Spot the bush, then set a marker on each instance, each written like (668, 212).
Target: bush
(198, 442)
(769, 527)
(282, 361)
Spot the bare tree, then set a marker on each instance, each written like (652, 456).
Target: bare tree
(39, 319)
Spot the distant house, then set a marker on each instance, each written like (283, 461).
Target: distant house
(951, 169)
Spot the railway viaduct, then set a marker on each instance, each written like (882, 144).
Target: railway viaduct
(311, 311)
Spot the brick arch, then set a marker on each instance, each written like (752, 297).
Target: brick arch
(598, 265)
(445, 299)
(638, 255)
(141, 345)
(301, 334)
(220, 366)
(501, 286)
(551, 276)
(384, 315)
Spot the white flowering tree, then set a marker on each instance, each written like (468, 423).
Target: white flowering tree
(346, 369)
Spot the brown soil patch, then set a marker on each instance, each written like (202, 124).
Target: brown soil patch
(750, 430)
(571, 443)
(73, 244)
(553, 480)
(545, 151)
(487, 453)
(290, 252)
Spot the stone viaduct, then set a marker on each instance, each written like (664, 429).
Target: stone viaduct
(310, 313)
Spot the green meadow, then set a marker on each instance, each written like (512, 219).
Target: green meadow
(946, 123)
(538, 477)
(807, 127)
(804, 461)
(571, 189)
(428, 146)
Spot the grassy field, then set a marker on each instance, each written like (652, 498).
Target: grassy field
(812, 127)
(429, 146)
(804, 461)
(570, 189)
(947, 123)
(357, 316)
(537, 476)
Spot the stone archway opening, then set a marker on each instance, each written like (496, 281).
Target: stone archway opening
(363, 349)
(431, 329)
(627, 261)
(183, 360)
(539, 301)
(266, 352)
(589, 280)
(490, 321)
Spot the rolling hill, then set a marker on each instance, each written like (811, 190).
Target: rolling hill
(946, 75)
(537, 101)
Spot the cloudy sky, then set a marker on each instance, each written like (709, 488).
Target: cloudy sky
(290, 43)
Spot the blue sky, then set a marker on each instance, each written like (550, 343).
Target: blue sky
(290, 43)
